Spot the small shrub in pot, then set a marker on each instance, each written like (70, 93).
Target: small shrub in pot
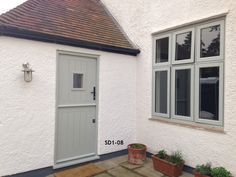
(203, 170)
(220, 172)
(170, 165)
(137, 153)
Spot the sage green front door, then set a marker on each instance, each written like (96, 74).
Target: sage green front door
(76, 124)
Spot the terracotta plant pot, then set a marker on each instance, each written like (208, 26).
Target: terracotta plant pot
(196, 174)
(137, 156)
(167, 168)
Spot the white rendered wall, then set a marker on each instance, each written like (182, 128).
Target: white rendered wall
(139, 19)
(27, 110)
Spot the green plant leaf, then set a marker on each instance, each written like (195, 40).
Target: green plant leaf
(176, 158)
(204, 169)
(162, 154)
(220, 172)
(137, 146)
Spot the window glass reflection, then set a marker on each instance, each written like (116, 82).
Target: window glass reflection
(182, 92)
(183, 46)
(162, 50)
(210, 41)
(209, 93)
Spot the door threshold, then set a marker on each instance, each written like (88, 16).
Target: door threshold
(75, 162)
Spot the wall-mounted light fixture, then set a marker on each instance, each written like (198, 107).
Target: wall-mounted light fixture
(27, 72)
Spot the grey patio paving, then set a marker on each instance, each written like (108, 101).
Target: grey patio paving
(130, 166)
(119, 167)
(148, 171)
(123, 172)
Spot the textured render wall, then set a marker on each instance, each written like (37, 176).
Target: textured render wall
(139, 19)
(27, 110)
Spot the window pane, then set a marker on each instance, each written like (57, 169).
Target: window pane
(162, 50)
(182, 92)
(77, 80)
(210, 41)
(209, 93)
(183, 46)
(161, 91)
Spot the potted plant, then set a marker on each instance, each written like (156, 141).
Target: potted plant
(220, 172)
(170, 165)
(203, 170)
(137, 153)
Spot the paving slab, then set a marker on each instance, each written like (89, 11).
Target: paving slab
(148, 163)
(119, 167)
(130, 166)
(103, 175)
(107, 164)
(123, 172)
(120, 159)
(148, 171)
(81, 171)
(184, 175)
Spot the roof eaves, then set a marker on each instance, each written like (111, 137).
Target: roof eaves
(27, 34)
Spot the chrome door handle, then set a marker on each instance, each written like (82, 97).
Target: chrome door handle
(94, 93)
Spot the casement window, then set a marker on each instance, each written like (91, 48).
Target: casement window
(183, 46)
(182, 92)
(209, 93)
(162, 50)
(188, 72)
(161, 93)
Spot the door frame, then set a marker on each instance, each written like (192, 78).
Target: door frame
(79, 54)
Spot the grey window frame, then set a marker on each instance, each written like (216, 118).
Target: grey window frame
(221, 92)
(222, 44)
(173, 105)
(191, 59)
(169, 52)
(167, 115)
(195, 65)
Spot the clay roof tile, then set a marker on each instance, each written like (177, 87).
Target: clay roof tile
(83, 23)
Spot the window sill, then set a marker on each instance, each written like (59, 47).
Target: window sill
(192, 125)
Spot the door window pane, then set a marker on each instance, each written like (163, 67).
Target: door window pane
(182, 92)
(77, 80)
(183, 46)
(210, 41)
(162, 50)
(209, 93)
(161, 91)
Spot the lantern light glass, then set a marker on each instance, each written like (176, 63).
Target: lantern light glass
(28, 72)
